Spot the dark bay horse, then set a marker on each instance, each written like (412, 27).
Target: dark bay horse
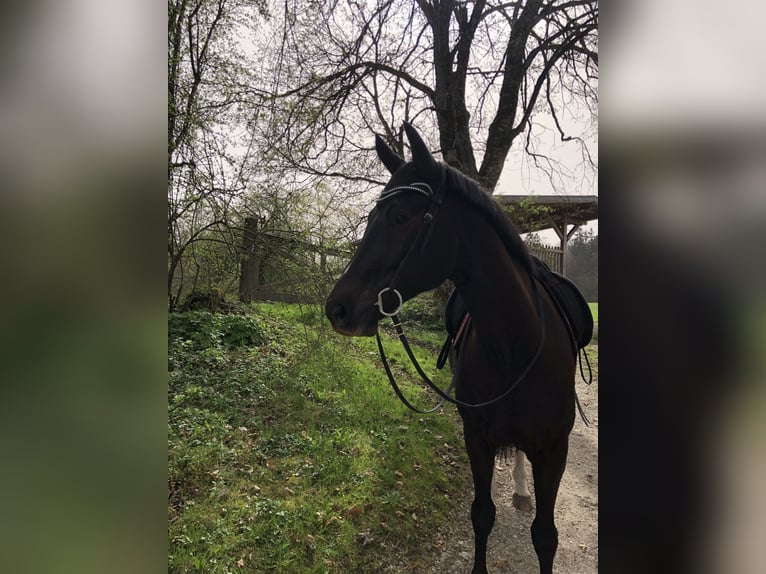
(432, 223)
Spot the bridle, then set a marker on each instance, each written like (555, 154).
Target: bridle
(418, 245)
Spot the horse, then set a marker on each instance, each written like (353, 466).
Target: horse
(514, 371)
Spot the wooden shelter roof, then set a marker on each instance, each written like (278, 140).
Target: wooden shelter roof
(560, 210)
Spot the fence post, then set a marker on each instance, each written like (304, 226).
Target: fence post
(250, 265)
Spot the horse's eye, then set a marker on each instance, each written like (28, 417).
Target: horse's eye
(397, 215)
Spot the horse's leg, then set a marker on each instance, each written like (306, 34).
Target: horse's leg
(482, 456)
(547, 469)
(521, 498)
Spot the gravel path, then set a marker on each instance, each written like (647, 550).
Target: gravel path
(510, 543)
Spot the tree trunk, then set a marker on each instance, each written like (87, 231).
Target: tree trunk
(250, 267)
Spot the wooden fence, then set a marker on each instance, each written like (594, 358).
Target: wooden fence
(551, 255)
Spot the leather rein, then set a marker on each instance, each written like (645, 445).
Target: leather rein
(419, 245)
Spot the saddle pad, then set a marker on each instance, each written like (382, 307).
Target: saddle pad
(454, 312)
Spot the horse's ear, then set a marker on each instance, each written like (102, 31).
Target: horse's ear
(420, 154)
(387, 155)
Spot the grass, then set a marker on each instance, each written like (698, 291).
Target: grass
(288, 452)
(594, 311)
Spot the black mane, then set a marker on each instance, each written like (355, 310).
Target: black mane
(501, 223)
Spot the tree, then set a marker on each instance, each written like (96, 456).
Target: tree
(582, 263)
(533, 241)
(208, 85)
(270, 115)
(290, 245)
(475, 71)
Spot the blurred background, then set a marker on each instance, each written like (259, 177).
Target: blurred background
(83, 407)
(682, 121)
(683, 139)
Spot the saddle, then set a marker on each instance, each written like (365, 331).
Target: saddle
(572, 306)
(570, 303)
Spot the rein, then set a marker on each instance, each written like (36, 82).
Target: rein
(392, 380)
(445, 395)
(421, 240)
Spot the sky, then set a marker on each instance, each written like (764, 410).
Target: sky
(521, 177)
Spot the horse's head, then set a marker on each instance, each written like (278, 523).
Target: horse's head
(406, 249)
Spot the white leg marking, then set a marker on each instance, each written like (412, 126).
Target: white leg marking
(520, 485)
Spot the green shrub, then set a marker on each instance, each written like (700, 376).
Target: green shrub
(207, 330)
(425, 309)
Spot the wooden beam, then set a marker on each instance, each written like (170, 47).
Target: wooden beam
(564, 242)
(559, 231)
(575, 227)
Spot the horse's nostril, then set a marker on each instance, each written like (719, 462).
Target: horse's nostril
(335, 311)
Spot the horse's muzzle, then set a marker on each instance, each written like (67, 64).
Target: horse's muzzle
(346, 319)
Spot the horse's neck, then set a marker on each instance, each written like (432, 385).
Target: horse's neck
(497, 292)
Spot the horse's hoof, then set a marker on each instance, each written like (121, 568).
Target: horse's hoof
(522, 502)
